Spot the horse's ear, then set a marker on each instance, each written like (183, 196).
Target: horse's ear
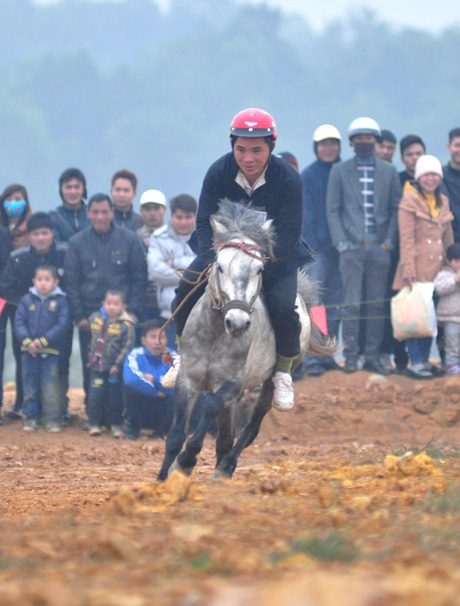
(217, 227)
(266, 225)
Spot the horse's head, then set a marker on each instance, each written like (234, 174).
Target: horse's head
(236, 277)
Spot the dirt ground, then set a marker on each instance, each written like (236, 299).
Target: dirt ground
(326, 508)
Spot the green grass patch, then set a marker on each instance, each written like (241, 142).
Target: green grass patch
(330, 548)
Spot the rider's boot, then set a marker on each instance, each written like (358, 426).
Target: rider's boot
(283, 396)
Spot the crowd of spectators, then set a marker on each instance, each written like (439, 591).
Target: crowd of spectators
(107, 277)
(98, 267)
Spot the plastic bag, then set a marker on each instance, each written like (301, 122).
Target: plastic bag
(412, 312)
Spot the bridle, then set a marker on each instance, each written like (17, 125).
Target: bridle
(219, 297)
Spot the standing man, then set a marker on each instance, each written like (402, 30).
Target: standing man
(102, 257)
(71, 217)
(123, 192)
(15, 282)
(153, 211)
(250, 172)
(386, 147)
(362, 201)
(451, 182)
(412, 147)
(325, 269)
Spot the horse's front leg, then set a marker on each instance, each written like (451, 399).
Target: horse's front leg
(212, 405)
(176, 435)
(249, 432)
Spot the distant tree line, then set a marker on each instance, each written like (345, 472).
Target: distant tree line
(109, 85)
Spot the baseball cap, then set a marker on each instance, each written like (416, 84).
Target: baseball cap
(153, 196)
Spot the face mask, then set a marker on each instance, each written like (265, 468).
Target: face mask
(363, 149)
(14, 208)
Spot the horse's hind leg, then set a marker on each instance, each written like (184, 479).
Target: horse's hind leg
(176, 435)
(224, 441)
(212, 406)
(249, 432)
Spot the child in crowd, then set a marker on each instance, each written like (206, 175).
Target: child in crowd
(41, 324)
(112, 336)
(447, 287)
(148, 404)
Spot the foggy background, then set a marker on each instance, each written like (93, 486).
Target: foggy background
(109, 85)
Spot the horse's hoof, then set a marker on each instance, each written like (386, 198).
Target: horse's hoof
(185, 471)
(220, 474)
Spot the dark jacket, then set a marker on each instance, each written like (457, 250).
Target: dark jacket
(18, 274)
(6, 246)
(129, 219)
(45, 319)
(405, 176)
(315, 227)
(451, 187)
(281, 197)
(96, 263)
(110, 341)
(67, 222)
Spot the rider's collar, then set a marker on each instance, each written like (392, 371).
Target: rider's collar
(244, 183)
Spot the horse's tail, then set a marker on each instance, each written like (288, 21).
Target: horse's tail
(319, 345)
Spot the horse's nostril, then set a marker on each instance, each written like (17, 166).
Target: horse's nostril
(228, 324)
(247, 325)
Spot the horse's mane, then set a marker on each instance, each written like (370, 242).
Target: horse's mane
(241, 222)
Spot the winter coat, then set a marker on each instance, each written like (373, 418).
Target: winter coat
(423, 238)
(345, 208)
(128, 219)
(451, 187)
(448, 290)
(151, 298)
(6, 245)
(140, 362)
(18, 234)
(47, 319)
(167, 245)
(315, 227)
(95, 263)
(110, 341)
(18, 274)
(67, 222)
(281, 196)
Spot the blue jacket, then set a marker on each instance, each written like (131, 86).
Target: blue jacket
(315, 227)
(45, 319)
(139, 362)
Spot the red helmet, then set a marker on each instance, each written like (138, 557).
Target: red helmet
(253, 122)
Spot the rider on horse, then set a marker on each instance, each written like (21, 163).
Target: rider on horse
(251, 173)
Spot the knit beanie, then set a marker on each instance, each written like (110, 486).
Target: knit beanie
(428, 164)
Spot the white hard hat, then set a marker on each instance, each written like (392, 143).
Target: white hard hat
(326, 131)
(153, 196)
(428, 164)
(363, 126)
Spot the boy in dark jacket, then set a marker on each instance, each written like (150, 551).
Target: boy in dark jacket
(41, 322)
(112, 336)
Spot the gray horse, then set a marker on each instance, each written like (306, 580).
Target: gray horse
(228, 343)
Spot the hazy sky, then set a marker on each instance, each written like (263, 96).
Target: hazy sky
(433, 16)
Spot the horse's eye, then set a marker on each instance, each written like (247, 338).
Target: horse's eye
(260, 271)
(219, 269)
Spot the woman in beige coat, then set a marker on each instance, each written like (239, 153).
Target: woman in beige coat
(425, 232)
